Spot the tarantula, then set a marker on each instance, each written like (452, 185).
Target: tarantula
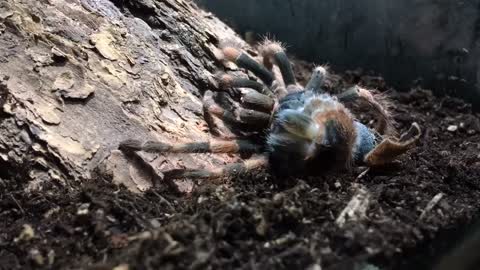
(308, 131)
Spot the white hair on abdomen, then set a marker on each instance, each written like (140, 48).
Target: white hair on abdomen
(321, 103)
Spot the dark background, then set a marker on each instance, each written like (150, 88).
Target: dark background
(429, 42)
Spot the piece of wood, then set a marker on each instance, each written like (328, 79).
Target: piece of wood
(356, 208)
(431, 204)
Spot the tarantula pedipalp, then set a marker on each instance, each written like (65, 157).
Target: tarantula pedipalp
(308, 130)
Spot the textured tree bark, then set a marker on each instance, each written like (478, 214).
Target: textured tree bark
(79, 76)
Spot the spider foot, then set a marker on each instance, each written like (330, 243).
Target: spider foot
(245, 61)
(274, 53)
(389, 149)
(276, 71)
(317, 79)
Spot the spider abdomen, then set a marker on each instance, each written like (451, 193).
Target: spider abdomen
(364, 143)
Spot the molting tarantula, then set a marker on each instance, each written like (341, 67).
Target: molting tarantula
(307, 130)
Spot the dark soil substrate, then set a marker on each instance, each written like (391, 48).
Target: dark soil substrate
(247, 223)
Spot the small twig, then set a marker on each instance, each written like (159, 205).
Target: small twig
(362, 174)
(356, 207)
(144, 235)
(431, 204)
(18, 204)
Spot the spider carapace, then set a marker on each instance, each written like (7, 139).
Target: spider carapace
(308, 131)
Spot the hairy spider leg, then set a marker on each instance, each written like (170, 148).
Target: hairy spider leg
(317, 79)
(274, 52)
(212, 146)
(257, 106)
(239, 116)
(389, 148)
(270, 78)
(228, 81)
(244, 60)
(233, 169)
(376, 102)
(250, 99)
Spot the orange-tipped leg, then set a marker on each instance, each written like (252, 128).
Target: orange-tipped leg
(251, 99)
(274, 52)
(317, 80)
(258, 118)
(212, 146)
(388, 150)
(376, 102)
(244, 60)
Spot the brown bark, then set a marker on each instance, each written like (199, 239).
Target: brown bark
(79, 76)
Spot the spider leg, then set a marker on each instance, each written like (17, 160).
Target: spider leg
(389, 148)
(229, 81)
(211, 146)
(227, 170)
(209, 109)
(257, 101)
(250, 99)
(272, 52)
(239, 116)
(253, 108)
(384, 121)
(244, 60)
(317, 80)
(275, 53)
